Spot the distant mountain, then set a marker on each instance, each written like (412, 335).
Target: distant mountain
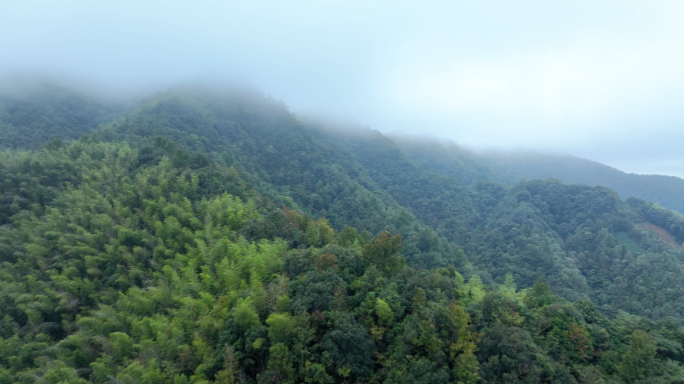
(512, 167)
(32, 116)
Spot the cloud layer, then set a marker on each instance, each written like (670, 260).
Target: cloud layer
(600, 79)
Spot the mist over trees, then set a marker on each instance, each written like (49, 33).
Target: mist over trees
(512, 167)
(210, 235)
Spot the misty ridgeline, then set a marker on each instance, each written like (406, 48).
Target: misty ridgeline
(210, 235)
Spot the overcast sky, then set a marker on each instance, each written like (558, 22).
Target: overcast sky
(599, 79)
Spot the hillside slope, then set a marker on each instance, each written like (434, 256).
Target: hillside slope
(30, 117)
(211, 236)
(362, 179)
(513, 167)
(583, 240)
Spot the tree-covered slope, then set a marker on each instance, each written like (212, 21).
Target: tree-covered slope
(32, 115)
(211, 236)
(583, 240)
(283, 160)
(448, 158)
(363, 179)
(664, 190)
(513, 167)
(152, 264)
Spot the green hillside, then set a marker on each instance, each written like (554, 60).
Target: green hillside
(534, 229)
(32, 115)
(211, 236)
(513, 167)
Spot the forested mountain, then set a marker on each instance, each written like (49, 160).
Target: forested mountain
(209, 235)
(32, 114)
(513, 167)
(664, 190)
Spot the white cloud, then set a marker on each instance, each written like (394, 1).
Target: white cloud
(569, 75)
(591, 77)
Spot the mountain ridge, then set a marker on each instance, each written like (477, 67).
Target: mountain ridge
(511, 167)
(215, 237)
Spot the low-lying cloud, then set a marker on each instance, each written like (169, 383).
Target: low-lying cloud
(600, 79)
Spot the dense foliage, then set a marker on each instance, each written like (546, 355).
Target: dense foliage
(213, 237)
(513, 167)
(32, 114)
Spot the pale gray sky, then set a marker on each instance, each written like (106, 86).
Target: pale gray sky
(598, 79)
